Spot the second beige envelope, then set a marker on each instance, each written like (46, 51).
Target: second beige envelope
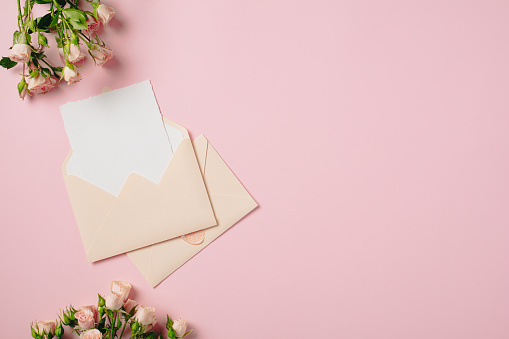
(230, 201)
(144, 213)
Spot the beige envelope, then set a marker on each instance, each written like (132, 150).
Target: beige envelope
(144, 213)
(230, 201)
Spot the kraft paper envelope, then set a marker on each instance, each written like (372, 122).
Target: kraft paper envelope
(230, 201)
(143, 213)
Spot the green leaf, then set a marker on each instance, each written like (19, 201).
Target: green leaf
(43, 23)
(169, 322)
(32, 25)
(75, 14)
(77, 18)
(15, 37)
(59, 42)
(79, 25)
(101, 302)
(39, 55)
(7, 63)
(55, 20)
(42, 40)
(43, 1)
(46, 72)
(133, 311)
(33, 74)
(187, 333)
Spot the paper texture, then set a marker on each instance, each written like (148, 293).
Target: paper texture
(118, 133)
(230, 201)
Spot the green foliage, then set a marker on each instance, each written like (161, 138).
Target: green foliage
(67, 21)
(76, 17)
(101, 302)
(42, 40)
(15, 37)
(7, 63)
(44, 22)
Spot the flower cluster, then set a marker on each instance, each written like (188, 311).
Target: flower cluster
(114, 313)
(73, 27)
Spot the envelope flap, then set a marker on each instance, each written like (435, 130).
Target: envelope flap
(177, 126)
(219, 178)
(179, 204)
(231, 203)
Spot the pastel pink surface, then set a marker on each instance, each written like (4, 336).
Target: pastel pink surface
(372, 134)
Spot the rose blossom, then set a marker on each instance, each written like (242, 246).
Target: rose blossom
(47, 326)
(87, 316)
(180, 327)
(40, 84)
(105, 13)
(121, 287)
(91, 334)
(71, 76)
(75, 54)
(129, 304)
(146, 317)
(101, 54)
(93, 25)
(20, 53)
(114, 301)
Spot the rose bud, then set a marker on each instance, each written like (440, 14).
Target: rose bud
(121, 287)
(74, 54)
(22, 89)
(87, 317)
(114, 301)
(100, 54)
(59, 331)
(146, 317)
(129, 304)
(105, 13)
(180, 327)
(70, 75)
(93, 25)
(47, 327)
(20, 53)
(40, 84)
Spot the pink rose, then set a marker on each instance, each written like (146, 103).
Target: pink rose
(87, 316)
(91, 334)
(70, 75)
(93, 25)
(101, 54)
(75, 54)
(47, 326)
(20, 53)
(105, 13)
(180, 327)
(129, 304)
(146, 317)
(40, 84)
(114, 301)
(121, 287)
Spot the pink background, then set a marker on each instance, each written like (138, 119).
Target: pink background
(373, 134)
